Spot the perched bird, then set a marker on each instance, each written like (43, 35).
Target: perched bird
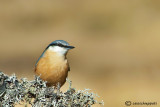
(52, 66)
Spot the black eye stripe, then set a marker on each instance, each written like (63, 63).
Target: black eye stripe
(61, 45)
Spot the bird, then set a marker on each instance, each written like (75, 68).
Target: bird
(52, 66)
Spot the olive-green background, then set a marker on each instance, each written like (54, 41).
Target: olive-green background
(117, 42)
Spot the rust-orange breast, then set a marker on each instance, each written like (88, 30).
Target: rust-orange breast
(52, 68)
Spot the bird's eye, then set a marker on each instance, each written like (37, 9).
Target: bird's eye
(60, 45)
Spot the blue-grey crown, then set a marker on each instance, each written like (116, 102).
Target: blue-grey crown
(59, 43)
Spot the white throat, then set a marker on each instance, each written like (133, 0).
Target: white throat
(58, 49)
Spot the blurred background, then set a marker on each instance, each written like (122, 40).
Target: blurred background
(117, 52)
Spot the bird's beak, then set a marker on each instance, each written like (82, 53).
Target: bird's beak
(70, 47)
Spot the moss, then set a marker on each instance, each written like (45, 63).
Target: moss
(36, 93)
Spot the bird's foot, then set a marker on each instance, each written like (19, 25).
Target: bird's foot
(58, 88)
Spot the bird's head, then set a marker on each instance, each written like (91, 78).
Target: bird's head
(60, 46)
